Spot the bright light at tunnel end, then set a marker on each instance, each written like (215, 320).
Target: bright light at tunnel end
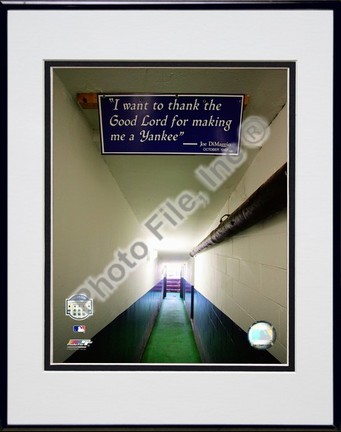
(172, 213)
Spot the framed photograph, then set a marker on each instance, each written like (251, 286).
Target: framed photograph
(173, 216)
(201, 148)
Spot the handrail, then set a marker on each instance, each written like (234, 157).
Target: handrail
(268, 199)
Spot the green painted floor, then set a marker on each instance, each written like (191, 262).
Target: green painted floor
(172, 339)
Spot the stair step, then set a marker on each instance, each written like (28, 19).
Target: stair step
(173, 285)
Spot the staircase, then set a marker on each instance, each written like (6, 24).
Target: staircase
(173, 285)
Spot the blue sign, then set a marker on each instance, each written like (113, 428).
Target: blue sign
(170, 124)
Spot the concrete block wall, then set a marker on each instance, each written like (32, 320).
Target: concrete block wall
(188, 271)
(246, 276)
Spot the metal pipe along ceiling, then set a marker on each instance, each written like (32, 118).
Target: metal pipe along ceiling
(268, 199)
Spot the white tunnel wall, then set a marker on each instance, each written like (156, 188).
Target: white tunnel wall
(246, 276)
(91, 220)
(188, 271)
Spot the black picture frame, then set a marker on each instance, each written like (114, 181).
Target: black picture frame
(333, 6)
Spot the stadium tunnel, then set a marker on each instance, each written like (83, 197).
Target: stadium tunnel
(127, 229)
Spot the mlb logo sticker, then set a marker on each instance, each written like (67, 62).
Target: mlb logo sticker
(79, 328)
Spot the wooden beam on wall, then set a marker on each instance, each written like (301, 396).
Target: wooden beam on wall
(267, 200)
(87, 100)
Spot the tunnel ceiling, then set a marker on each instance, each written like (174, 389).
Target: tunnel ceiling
(147, 181)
